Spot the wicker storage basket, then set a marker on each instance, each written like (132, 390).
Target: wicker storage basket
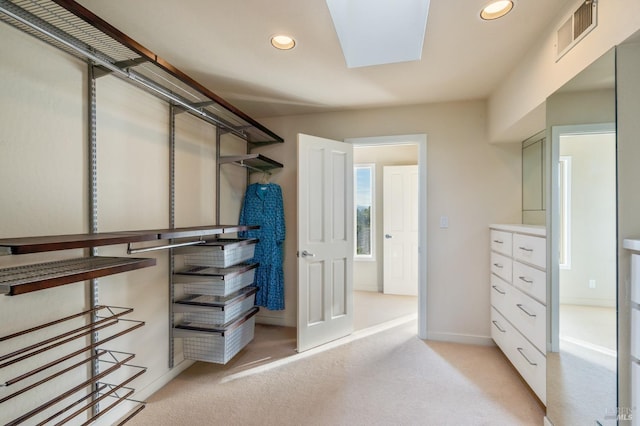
(219, 346)
(215, 309)
(215, 281)
(220, 253)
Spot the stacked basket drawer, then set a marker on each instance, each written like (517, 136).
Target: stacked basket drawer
(218, 304)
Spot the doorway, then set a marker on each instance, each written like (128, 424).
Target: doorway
(373, 154)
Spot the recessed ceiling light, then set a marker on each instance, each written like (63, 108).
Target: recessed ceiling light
(496, 9)
(283, 42)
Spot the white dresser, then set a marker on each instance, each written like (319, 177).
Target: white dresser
(518, 282)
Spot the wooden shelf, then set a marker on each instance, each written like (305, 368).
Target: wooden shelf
(25, 279)
(28, 245)
(255, 162)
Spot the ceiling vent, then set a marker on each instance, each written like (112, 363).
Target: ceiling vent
(583, 19)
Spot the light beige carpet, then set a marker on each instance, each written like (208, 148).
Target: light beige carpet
(372, 308)
(385, 378)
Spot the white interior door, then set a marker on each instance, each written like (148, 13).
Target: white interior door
(400, 230)
(325, 241)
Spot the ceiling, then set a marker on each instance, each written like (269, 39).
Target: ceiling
(225, 46)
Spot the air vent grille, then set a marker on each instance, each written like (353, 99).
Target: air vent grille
(582, 21)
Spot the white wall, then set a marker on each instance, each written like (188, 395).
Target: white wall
(195, 177)
(368, 275)
(517, 107)
(593, 220)
(469, 180)
(233, 180)
(584, 107)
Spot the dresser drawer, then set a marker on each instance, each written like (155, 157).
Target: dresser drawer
(530, 280)
(499, 289)
(530, 363)
(501, 242)
(501, 266)
(528, 316)
(498, 329)
(530, 250)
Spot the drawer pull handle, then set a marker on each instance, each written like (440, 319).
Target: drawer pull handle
(498, 242)
(496, 288)
(525, 357)
(526, 280)
(519, 305)
(498, 327)
(497, 265)
(525, 249)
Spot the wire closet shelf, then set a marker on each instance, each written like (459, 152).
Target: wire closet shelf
(74, 29)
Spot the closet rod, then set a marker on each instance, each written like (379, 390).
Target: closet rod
(131, 250)
(246, 166)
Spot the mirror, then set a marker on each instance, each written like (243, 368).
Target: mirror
(582, 340)
(533, 180)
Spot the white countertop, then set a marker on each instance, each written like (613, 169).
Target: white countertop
(631, 244)
(537, 230)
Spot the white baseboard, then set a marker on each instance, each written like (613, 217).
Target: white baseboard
(583, 301)
(271, 320)
(547, 422)
(461, 338)
(372, 288)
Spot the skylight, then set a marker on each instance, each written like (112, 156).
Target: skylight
(376, 32)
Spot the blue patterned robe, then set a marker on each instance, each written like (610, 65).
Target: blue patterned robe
(263, 206)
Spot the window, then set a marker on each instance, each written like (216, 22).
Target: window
(364, 179)
(564, 170)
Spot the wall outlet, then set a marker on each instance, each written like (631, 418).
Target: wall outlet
(592, 283)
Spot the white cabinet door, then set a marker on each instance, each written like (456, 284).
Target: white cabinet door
(325, 241)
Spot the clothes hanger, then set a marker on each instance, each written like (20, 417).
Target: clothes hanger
(265, 178)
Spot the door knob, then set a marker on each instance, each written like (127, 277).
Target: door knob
(387, 236)
(307, 254)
